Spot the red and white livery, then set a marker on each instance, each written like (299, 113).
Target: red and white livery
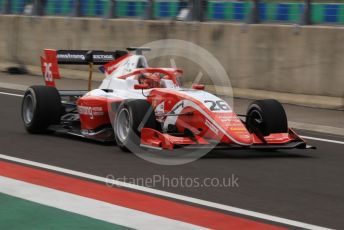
(136, 105)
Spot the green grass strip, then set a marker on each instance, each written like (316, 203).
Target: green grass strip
(19, 214)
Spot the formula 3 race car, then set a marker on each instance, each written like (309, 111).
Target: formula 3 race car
(148, 107)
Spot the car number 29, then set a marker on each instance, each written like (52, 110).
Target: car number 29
(217, 105)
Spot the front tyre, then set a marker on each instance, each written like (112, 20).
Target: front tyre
(41, 107)
(131, 117)
(266, 116)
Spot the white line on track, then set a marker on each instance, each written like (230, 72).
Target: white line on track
(12, 94)
(167, 194)
(324, 140)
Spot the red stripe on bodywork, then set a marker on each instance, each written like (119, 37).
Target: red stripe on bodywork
(129, 199)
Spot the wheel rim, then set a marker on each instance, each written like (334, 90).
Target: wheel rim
(255, 120)
(256, 117)
(28, 109)
(123, 125)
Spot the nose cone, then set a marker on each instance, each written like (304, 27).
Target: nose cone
(235, 130)
(241, 135)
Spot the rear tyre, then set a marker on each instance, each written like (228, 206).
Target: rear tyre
(41, 107)
(131, 117)
(266, 116)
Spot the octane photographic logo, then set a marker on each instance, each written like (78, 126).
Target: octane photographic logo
(174, 50)
(165, 181)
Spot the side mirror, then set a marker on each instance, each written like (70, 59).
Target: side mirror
(141, 86)
(197, 86)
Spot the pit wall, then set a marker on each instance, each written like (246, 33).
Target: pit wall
(281, 58)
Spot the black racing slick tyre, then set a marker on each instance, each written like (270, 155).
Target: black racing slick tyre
(41, 107)
(131, 117)
(266, 116)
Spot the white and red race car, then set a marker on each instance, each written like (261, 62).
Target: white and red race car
(148, 107)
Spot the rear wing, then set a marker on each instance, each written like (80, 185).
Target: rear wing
(85, 57)
(52, 58)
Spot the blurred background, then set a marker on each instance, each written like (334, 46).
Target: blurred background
(282, 46)
(257, 11)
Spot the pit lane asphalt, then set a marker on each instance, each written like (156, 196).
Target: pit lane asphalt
(302, 185)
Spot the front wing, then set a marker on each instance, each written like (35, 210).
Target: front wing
(154, 139)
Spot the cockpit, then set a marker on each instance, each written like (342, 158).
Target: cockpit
(134, 69)
(158, 80)
(156, 77)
